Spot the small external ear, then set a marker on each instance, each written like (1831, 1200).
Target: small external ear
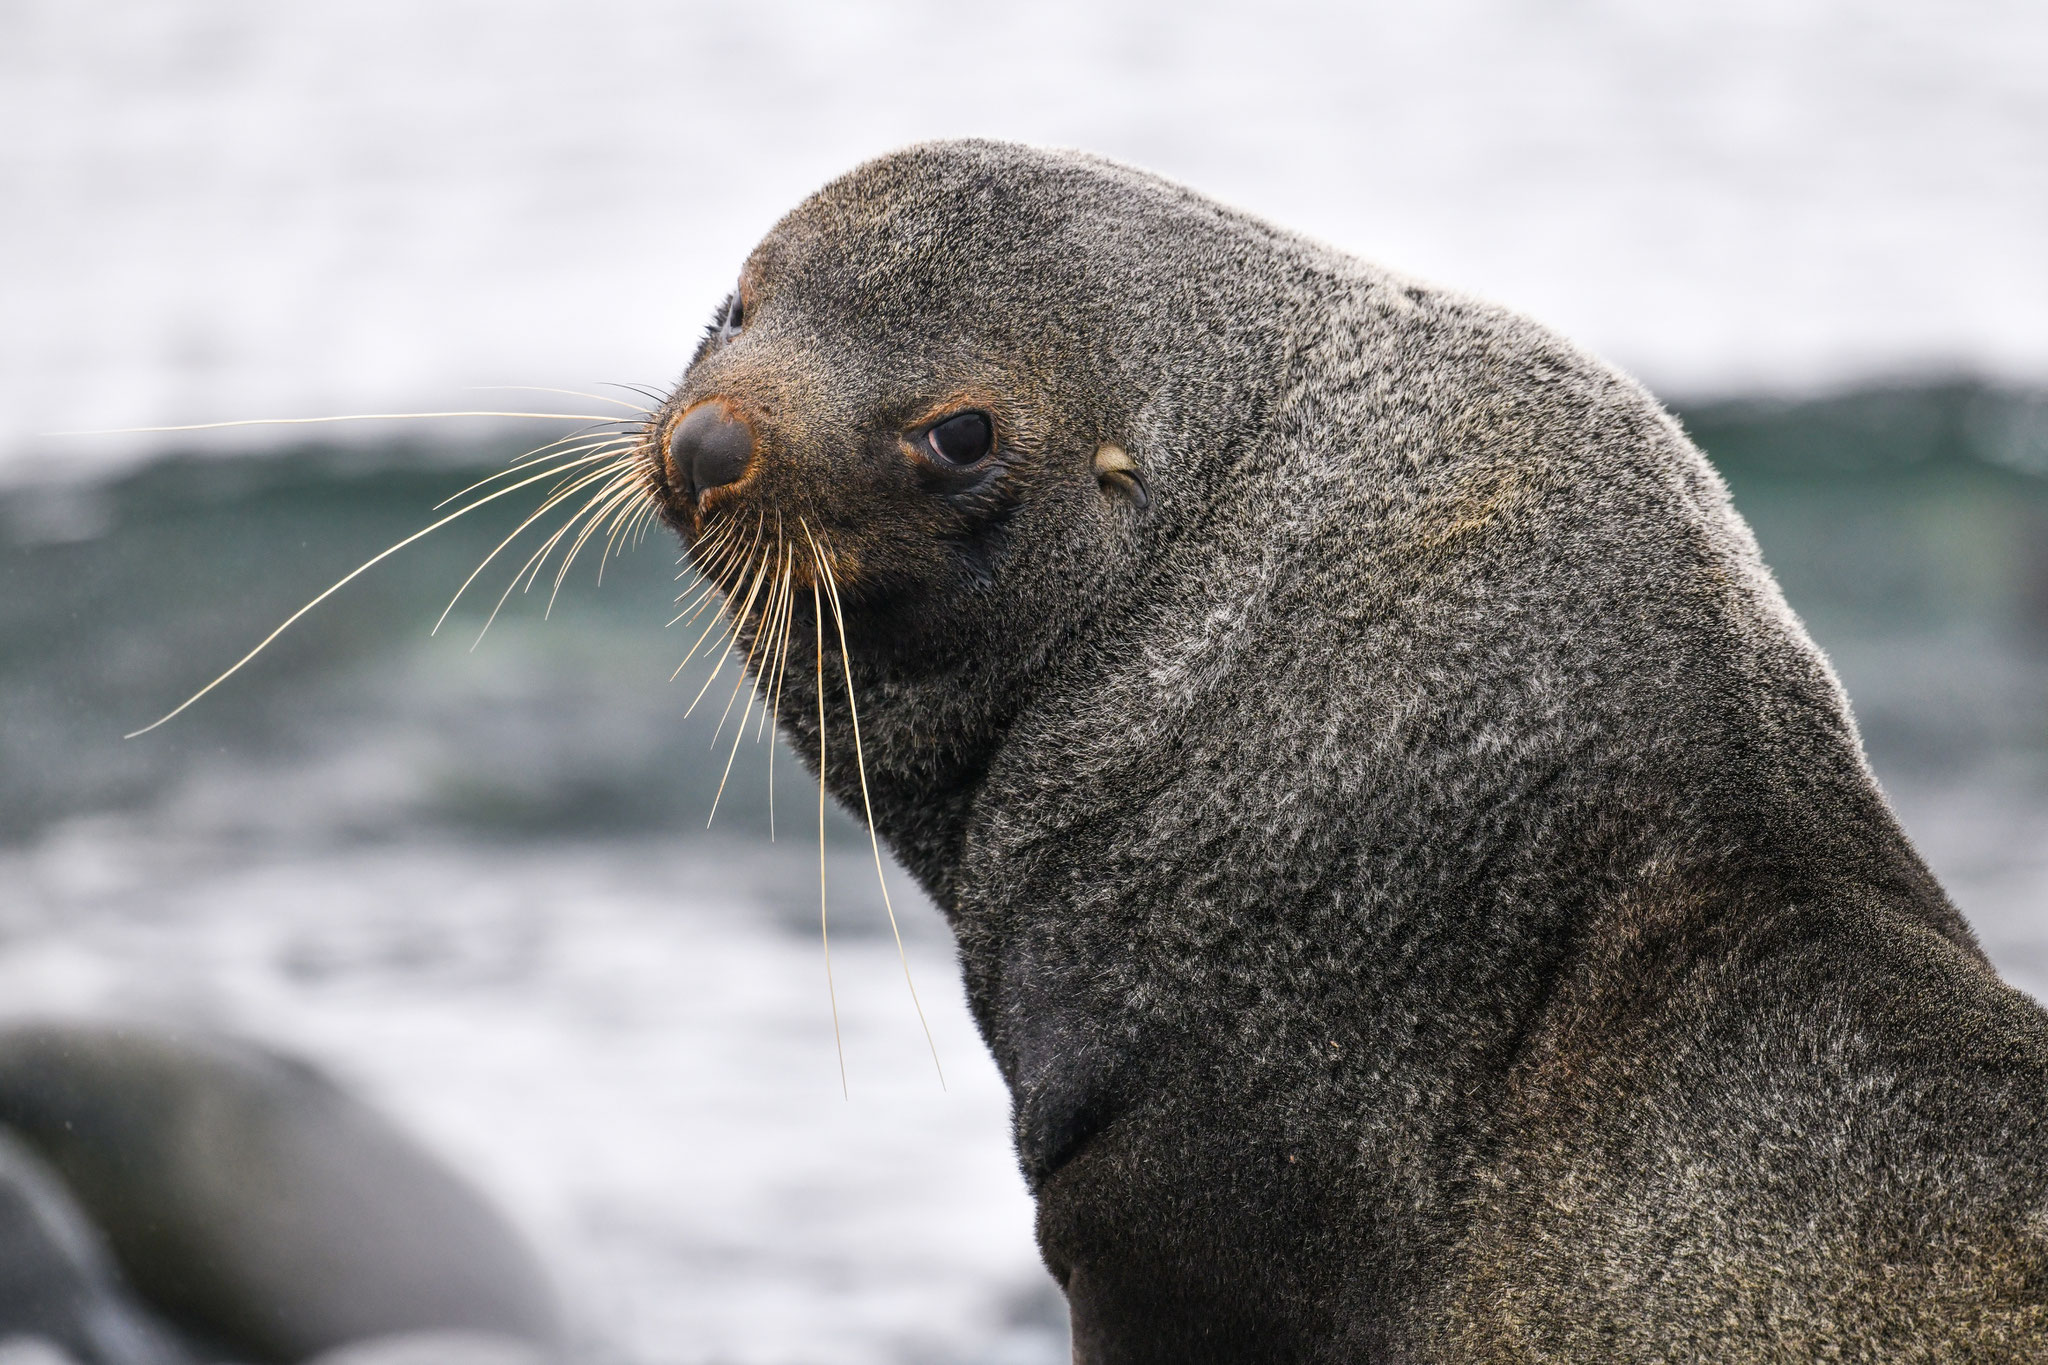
(1117, 475)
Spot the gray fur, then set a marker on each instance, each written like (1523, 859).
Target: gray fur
(1420, 882)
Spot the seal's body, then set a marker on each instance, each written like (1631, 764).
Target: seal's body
(1421, 884)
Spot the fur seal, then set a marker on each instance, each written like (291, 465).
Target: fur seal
(1420, 882)
(264, 1212)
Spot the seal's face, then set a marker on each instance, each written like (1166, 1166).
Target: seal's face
(861, 403)
(957, 405)
(908, 387)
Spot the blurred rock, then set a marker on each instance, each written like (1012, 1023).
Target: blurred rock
(61, 1299)
(255, 1204)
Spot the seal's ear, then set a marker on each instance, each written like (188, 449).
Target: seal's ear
(1117, 475)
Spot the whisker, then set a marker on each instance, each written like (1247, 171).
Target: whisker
(344, 417)
(607, 501)
(709, 600)
(652, 395)
(553, 500)
(695, 605)
(740, 731)
(611, 479)
(716, 622)
(533, 562)
(716, 563)
(619, 496)
(524, 464)
(824, 932)
(646, 524)
(618, 431)
(524, 577)
(714, 548)
(767, 604)
(337, 586)
(621, 537)
(566, 393)
(720, 534)
(615, 478)
(773, 711)
(867, 806)
(771, 671)
(760, 569)
(708, 630)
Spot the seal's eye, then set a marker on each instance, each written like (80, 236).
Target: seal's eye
(962, 438)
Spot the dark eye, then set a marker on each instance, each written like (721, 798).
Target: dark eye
(962, 438)
(735, 316)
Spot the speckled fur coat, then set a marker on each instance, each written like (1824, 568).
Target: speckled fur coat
(1421, 884)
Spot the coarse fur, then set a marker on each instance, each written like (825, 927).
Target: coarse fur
(1421, 884)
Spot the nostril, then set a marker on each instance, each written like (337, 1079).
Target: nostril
(708, 448)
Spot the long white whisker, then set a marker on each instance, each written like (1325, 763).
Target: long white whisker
(714, 548)
(824, 932)
(730, 552)
(341, 583)
(771, 671)
(572, 445)
(698, 644)
(626, 527)
(867, 807)
(566, 393)
(609, 478)
(624, 513)
(767, 606)
(758, 571)
(772, 712)
(764, 636)
(708, 630)
(553, 500)
(618, 494)
(344, 417)
(695, 604)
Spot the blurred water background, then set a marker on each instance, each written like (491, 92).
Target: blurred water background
(476, 883)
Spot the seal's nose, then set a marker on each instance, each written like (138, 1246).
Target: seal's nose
(709, 448)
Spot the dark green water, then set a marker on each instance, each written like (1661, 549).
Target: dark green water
(1909, 528)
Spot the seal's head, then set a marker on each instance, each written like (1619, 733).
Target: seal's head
(888, 380)
(960, 377)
